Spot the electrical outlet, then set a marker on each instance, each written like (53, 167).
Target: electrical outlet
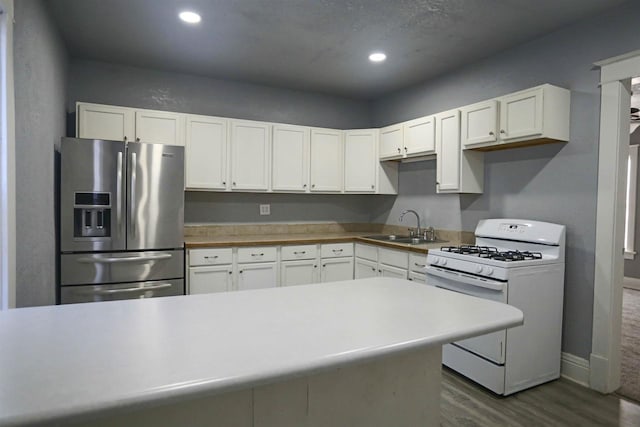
(265, 209)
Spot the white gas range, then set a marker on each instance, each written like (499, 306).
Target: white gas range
(521, 263)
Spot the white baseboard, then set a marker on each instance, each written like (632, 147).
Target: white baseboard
(631, 283)
(575, 368)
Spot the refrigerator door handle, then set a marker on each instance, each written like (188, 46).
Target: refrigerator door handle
(119, 222)
(135, 289)
(114, 260)
(132, 199)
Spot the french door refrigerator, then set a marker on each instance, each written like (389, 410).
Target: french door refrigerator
(121, 220)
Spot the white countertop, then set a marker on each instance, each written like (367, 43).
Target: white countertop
(75, 361)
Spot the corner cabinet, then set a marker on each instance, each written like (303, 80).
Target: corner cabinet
(250, 155)
(360, 160)
(206, 153)
(457, 171)
(327, 160)
(534, 116)
(391, 142)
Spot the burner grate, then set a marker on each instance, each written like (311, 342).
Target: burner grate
(492, 253)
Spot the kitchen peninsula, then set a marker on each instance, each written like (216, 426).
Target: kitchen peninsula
(362, 352)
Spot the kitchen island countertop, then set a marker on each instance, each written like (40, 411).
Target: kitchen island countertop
(80, 362)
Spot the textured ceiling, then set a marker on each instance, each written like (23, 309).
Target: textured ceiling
(315, 45)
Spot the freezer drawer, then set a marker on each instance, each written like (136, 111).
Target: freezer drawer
(120, 267)
(121, 291)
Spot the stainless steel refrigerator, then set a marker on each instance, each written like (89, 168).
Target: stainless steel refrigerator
(121, 220)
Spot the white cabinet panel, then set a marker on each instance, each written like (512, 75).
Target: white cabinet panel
(420, 136)
(257, 276)
(336, 269)
(327, 159)
(389, 271)
(521, 115)
(365, 268)
(418, 277)
(448, 147)
(205, 280)
(417, 262)
(257, 254)
(206, 152)
(210, 256)
(393, 258)
(360, 160)
(295, 252)
(391, 142)
(105, 122)
(290, 164)
(298, 272)
(367, 252)
(250, 155)
(479, 123)
(331, 250)
(159, 127)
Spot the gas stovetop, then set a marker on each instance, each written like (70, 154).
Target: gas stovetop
(489, 252)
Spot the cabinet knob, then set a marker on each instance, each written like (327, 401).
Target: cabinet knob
(313, 186)
(373, 186)
(324, 265)
(304, 185)
(502, 131)
(399, 150)
(379, 271)
(224, 182)
(405, 149)
(233, 183)
(315, 266)
(373, 268)
(125, 138)
(240, 271)
(490, 133)
(230, 272)
(137, 139)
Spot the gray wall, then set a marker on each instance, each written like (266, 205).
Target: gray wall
(632, 266)
(556, 183)
(144, 88)
(40, 88)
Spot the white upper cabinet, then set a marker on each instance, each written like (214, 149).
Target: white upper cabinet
(290, 164)
(360, 160)
(206, 152)
(327, 159)
(108, 122)
(159, 127)
(457, 171)
(391, 142)
(250, 155)
(420, 136)
(479, 123)
(532, 116)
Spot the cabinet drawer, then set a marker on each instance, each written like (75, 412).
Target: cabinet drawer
(299, 252)
(334, 250)
(367, 252)
(417, 262)
(257, 254)
(210, 256)
(398, 259)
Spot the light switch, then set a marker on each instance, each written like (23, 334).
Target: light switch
(265, 209)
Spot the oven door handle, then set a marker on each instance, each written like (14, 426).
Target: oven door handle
(462, 278)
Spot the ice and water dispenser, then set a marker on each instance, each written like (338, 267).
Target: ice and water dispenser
(92, 215)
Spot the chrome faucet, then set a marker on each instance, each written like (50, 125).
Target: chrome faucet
(417, 218)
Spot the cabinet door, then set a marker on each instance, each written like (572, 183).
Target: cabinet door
(389, 271)
(521, 115)
(206, 280)
(391, 142)
(105, 122)
(479, 123)
(360, 161)
(206, 152)
(256, 276)
(365, 268)
(418, 277)
(336, 269)
(290, 164)
(298, 272)
(159, 127)
(327, 158)
(420, 136)
(250, 142)
(448, 149)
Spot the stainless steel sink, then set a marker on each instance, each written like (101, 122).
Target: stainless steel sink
(403, 239)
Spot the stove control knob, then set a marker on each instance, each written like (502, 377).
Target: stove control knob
(479, 269)
(489, 271)
(443, 262)
(436, 260)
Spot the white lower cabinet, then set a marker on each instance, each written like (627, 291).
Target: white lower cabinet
(365, 268)
(206, 280)
(372, 261)
(257, 276)
(390, 271)
(336, 269)
(302, 272)
(418, 277)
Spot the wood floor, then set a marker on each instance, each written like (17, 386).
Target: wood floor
(558, 403)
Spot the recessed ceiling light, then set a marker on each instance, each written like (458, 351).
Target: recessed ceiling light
(377, 57)
(189, 17)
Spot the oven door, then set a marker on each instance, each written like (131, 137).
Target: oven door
(490, 346)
